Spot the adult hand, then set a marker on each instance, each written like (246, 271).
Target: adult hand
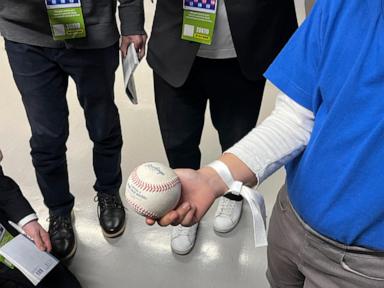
(37, 233)
(199, 191)
(138, 40)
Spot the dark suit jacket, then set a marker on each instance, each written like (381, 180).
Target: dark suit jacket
(13, 205)
(26, 21)
(260, 28)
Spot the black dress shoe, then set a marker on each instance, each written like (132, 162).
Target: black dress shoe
(62, 237)
(111, 214)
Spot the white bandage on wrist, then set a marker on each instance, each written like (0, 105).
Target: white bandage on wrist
(253, 197)
(223, 172)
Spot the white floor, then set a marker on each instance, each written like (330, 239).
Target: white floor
(142, 256)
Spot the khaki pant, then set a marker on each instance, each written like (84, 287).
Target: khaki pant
(299, 257)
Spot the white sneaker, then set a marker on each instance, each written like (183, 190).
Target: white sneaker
(183, 239)
(227, 215)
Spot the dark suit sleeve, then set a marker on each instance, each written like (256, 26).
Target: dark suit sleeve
(12, 202)
(131, 13)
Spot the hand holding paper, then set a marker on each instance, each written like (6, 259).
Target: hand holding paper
(37, 233)
(139, 42)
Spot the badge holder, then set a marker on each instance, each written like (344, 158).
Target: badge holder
(199, 18)
(66, 19)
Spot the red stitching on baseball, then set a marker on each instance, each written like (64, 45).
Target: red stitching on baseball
(153, 187)
(142, 211)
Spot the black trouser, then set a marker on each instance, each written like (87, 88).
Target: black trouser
(41, 75)
(59, 277)
(234, 105)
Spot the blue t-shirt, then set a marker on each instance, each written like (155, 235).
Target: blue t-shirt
(334, 66)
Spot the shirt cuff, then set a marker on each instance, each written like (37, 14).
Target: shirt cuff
(27, 219)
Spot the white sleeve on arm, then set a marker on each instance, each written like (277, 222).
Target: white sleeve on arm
(27, 219)
(277, 140)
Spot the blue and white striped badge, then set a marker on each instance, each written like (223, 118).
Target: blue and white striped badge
(51, 4)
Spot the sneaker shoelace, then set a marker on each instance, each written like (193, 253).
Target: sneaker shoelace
(184, 231)
(226, 206)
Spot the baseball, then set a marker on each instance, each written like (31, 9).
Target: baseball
(153, 189)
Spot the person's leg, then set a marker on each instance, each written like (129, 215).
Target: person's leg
(43, 85)
(60, 277)
(181, 117)
(285, 246)
(327, 263)
(300, 257)
(13, 278)
(180, 113)
(234, 100)
(234, 104)
(93, 71)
